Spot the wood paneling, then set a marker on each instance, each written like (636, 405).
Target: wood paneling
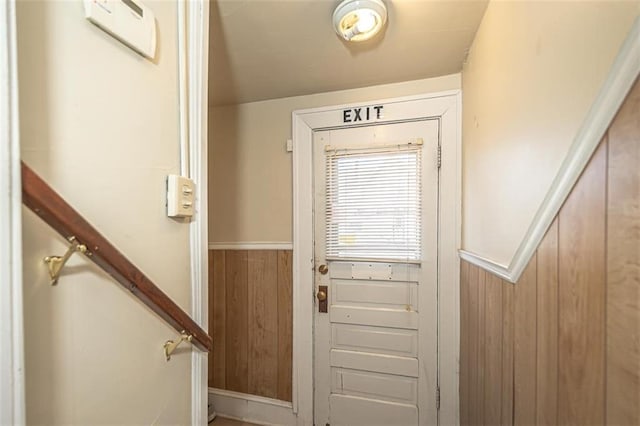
(493, 350)
(263, 322)
(524, 361)
(569, 345)
(508, 324)
(547, 329)
(251, 321)
(465, 333)
(581, 291)
(237, 321)
(285, 324)
(482, 343)
(472, 367)
(623, 266)
(217, 319)
(211, 301)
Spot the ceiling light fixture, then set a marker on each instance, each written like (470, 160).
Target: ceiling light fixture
(359, 20)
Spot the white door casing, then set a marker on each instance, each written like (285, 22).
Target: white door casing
(194, 155)
(446, 108)
(376, 348)
(12, 397)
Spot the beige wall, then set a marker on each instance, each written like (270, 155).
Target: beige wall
(99, 123)
(250, 196)
(533, 73)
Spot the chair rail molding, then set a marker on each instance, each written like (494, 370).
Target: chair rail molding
(624, 72)
(252, 245)
(489, 265)
(12, 387)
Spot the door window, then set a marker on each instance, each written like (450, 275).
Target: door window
(373, 204)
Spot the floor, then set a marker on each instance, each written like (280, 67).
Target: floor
(221, 421)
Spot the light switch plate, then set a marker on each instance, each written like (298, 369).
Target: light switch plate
(180, 196)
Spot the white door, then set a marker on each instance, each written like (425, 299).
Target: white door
(375, 249)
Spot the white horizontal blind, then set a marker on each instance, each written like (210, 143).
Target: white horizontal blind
(373, 204)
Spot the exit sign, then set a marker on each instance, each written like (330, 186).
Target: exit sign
(354, 115)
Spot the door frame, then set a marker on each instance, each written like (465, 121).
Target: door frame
(194, 154)
(444, 106)
(12, 394)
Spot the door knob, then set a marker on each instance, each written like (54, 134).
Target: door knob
(322, 298)
(323, 269)
(322, 295)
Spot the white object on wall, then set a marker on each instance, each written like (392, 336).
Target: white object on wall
(180, 196)
(130, 21)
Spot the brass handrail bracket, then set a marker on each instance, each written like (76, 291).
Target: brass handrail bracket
(41, 199)
(170, 345)
(56, 263)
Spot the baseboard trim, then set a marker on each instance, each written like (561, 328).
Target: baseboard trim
(252, 408)
(253, 245)
(624, 72)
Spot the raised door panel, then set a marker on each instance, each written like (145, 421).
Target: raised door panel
(356, 411)
(389, 364)
(373, 385)
(391, 341)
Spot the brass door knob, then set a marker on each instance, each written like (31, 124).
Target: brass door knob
(322, 295)
(323, 269)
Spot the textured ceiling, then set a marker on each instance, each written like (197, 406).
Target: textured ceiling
(265, 49)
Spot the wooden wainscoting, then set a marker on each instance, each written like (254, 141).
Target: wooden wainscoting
(250, 320)
(562, 346)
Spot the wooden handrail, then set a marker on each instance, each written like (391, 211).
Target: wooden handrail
(54, 210)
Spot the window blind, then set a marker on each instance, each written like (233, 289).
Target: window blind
(373, 204)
